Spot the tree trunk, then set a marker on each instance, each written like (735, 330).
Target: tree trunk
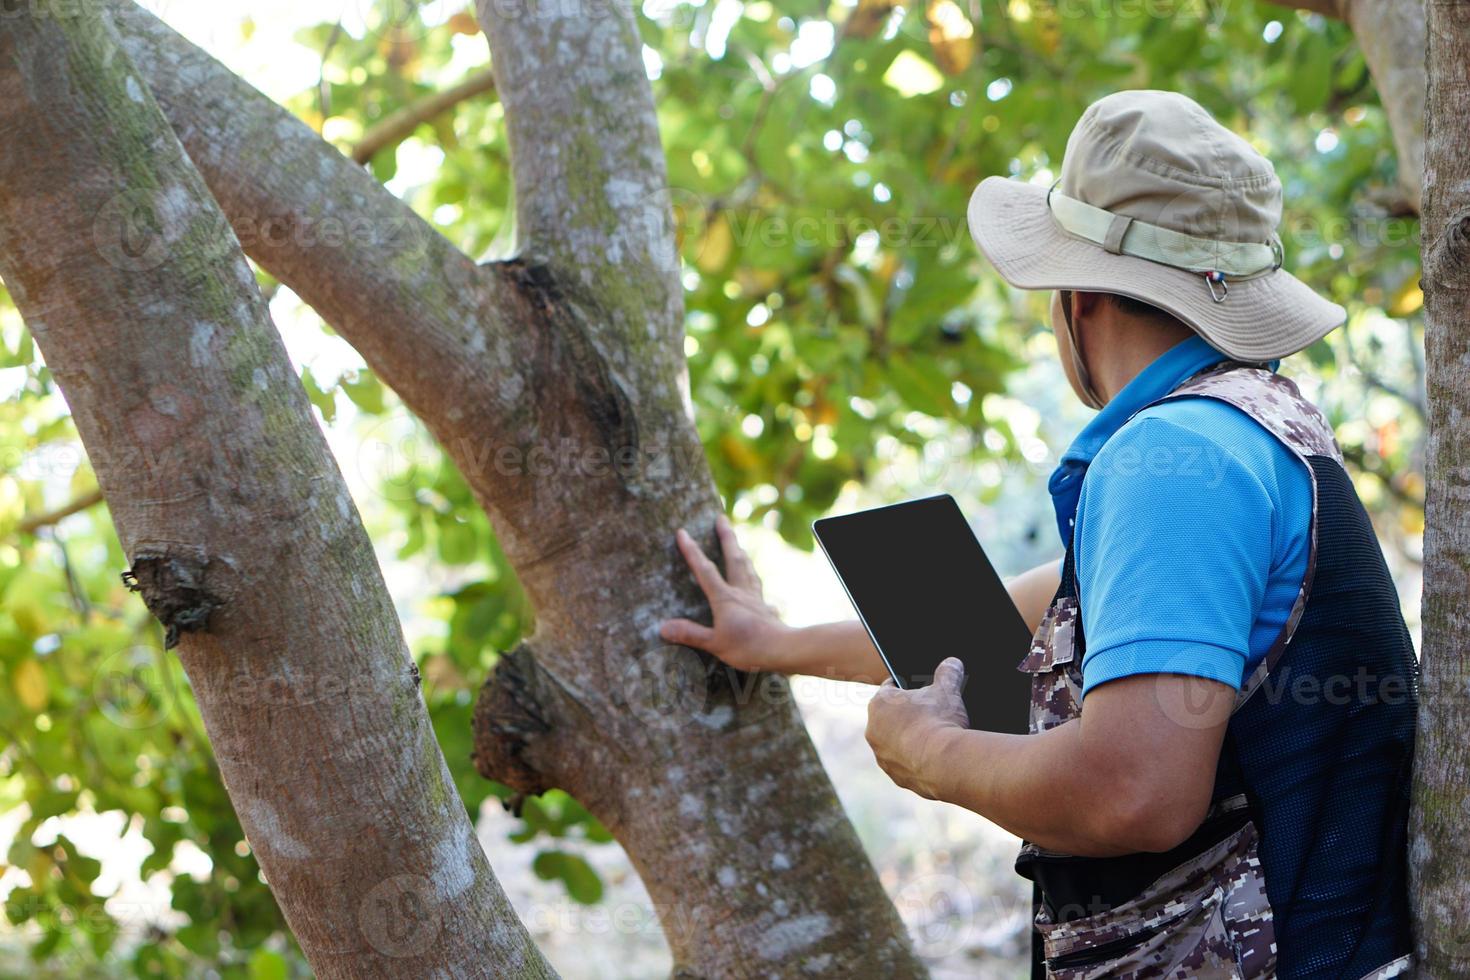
(556, 383)
(237, 524)
(1440, 827)
(1391, 36)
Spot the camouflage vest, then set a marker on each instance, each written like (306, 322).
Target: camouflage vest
(1298, 870)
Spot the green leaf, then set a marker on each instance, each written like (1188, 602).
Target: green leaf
(365, 391)
(325, 400)
(582, 883)
(267, 965)
(384, 163)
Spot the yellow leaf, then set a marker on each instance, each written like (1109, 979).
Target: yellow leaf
(29, 616)
(911, 75)
(247, 28)
(869, 17)
(716, 246)
(29, 681)
(464, 23)
(951, 36)
(1408, 300)
(738, 454)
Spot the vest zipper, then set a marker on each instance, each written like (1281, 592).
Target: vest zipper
(1094, 955)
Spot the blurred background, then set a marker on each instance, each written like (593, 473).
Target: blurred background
(847, 347)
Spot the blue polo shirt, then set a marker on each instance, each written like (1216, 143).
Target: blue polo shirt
(1192, 529)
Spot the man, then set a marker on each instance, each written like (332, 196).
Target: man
(1216, 783)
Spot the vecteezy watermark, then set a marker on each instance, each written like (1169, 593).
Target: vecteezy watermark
(139, 230)
(50, 914)
(134, 688)
(401, 916)
(397, 458)
(939, 910)
(48, 460)
(679, 923)
(1363, 687)
(135, 231)
(668, 689)
(1198, 703)
(1204, 462)
(406, 20)
(1207, 11)
(682, 224)
(832, 228)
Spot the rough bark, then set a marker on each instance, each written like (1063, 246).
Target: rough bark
(237, 524)
(1391, 36)
(416, 308)
(1440, 853)
(555, 381)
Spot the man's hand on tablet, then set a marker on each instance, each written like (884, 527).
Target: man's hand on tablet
(903, 726)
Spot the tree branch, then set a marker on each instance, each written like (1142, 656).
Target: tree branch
(1391, 36)
(397, 127)
(241, 536)
(593, 207)
(33, 523)
(415, 307)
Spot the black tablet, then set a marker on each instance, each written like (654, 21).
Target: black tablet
(925, 590)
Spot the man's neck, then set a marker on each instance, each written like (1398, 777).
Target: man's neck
(1130, 345)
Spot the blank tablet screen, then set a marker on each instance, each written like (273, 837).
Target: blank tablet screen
(925, 591)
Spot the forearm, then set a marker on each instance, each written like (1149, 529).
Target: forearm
(1033, 590)
(841, 651)
(1039, 787)
(844, 651)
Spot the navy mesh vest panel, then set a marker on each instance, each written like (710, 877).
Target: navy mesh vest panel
(1324, 751)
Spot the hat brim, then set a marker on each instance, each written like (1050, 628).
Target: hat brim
(1261, 319)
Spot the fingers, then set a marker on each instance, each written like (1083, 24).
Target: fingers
(686, 633)
(705, 572)
(738, 566)
(950, 675)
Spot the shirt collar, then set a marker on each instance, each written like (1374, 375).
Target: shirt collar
(1165, 373)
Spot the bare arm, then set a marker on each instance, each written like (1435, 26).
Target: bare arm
(748, 634)
(1134, 773)
(1033, 590)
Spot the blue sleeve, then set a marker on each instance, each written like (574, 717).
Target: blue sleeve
(1174, 546)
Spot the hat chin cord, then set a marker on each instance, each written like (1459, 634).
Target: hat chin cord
(1088, 393)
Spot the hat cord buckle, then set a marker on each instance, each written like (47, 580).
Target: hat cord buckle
(1213, 277)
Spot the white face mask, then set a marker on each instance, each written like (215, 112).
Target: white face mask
(1089, 394)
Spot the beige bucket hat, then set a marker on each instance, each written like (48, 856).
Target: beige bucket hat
(1159, 202)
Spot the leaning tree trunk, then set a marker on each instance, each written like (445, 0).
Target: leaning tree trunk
(556, 383)
(1391, 36)
(1390, 33)
(1440, 855)
(237, 524)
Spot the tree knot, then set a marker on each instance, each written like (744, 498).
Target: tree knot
(174, 592)
(508, 716)
(569, 325)
(1447, 260)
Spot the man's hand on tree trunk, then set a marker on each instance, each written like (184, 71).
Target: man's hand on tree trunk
(747, 632)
